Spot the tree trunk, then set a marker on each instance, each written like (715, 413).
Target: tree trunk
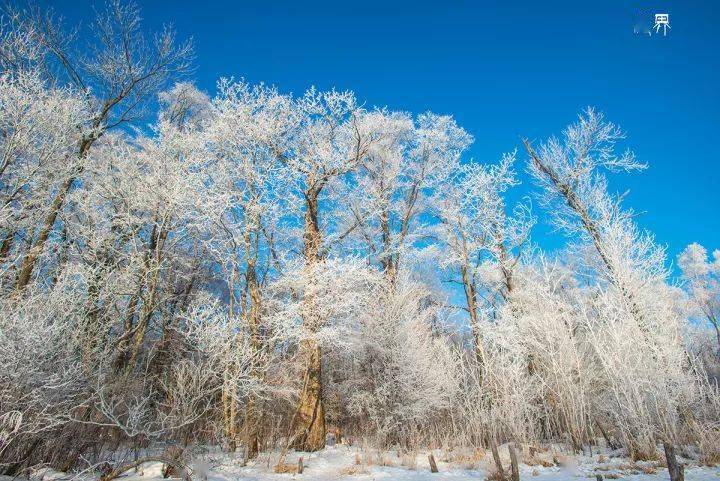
(433, 464)
(151, 265)
(496, 457)
(31, 258)
(468, 283)
(471, 300)
(91, 329)
(6, 245)
(515, 468)
(608, 442)
(573, 200)
(308, 426)
(148, 308)
(390, 259)
(252, 424)
(713, 320)
(676, 470)
(28, 264)
(229, 407)
(309, 423)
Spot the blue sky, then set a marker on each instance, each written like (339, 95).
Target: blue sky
(505, 70)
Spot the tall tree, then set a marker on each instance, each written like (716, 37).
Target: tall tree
(570, 171)
(328, 142)
(245, 203)
(121, 74)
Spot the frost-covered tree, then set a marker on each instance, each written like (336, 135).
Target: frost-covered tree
(479, 242)
(244, 204)
(325, 144)
(647, 385)
(410, 161)
(122, 72)
(405, 375)
(703, 282)
(41, 382)
(37, 141)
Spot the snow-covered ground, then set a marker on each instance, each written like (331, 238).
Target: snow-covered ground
(352, 463)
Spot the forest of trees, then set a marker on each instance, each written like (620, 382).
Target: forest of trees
(253, 269)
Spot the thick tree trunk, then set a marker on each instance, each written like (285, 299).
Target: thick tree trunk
(309, 422)
(310, 417)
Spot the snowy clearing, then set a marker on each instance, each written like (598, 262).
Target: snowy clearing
(341, 462)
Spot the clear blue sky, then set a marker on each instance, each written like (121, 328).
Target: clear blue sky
(503, 69)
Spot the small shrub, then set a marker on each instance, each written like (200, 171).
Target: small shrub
(646, 453)
(495, 475)
(354, 471)
(409, 460)
(285, 468)
(648, 469)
